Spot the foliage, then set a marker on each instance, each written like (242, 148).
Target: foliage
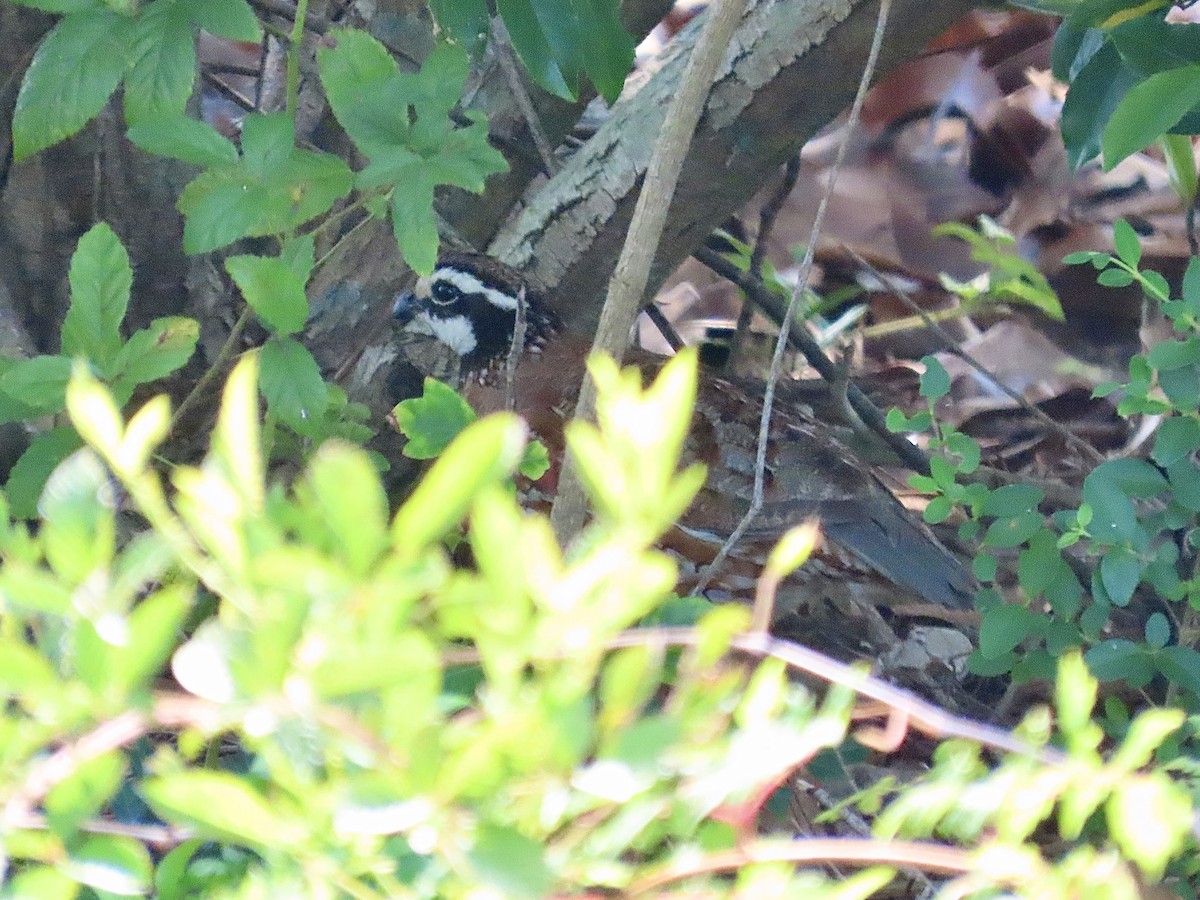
(1138, 518)
(215, 684)
(1148, 815)
(558, 40)
(1008, 279)
(100, 280)
(354, 711)
(433, 420)
(1134, 79)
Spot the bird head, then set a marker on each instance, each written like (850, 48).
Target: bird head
(469, 303)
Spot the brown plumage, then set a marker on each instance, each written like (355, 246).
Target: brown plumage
(469, 304)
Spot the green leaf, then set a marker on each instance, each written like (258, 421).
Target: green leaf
(24, 673)
(273, 289)
(345, 489)
(486, 452)
(157, 350)
(935, 381)
(78, 530)
(29, 475)
(72, 75)
(40, 383)
(511, 863)
(116, 865)
(402, 123)
(608, 48)
(1181, 168)
(466, 21)
(1094, 94)
(162, 62)
(233, 19)
(1176, 438)
(1167, 355)
(184, 138)
(1127, 243)
(1150, 109)
(1120, 659)
(1003, 628)
(415, 225)
(536, 461)
(1150, 44)
(291, 382)
(299, 255)
(101, 278)
(1013, 531)
(1150, 817)
(221, 807)
(533, 47)
(1012, 499)
(433, 420)
(1120, 571)
(1181, 665)
(169, 878)
(409, 659)
(60, 6)
(273, 189)
(154, 628)
(1158, 630)
(84, 792)
(1114, 278)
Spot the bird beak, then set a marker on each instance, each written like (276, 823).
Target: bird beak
(405, 308)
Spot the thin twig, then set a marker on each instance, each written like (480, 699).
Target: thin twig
(512, 75)
(766, 225)
(160, 837)
(223, 356)
(919, 714)
(628, 284)
(764, 427)
(670, 335)
(288, 11)
(807, 852)
(952, 347)
(911, 455)
(514, 353)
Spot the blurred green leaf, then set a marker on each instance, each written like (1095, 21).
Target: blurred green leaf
(73, 73)
(115, 865)
(485, 452)
(221, 806)
(1150, 108)
(273, 289)
(291, 382)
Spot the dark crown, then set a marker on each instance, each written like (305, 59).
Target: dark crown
(469, 303)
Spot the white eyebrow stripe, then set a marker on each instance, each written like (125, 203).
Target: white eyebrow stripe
(469, 284)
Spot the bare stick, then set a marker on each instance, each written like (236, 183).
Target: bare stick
(645, 229)
(764, 427)
(504, 54)
(870, 415)
(766, 224)
(514, 353)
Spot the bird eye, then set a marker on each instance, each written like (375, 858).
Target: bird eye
(444, 293)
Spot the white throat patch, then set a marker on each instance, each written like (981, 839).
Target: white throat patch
(457, 332)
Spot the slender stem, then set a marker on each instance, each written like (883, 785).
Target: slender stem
(206, 379)
(293, 59)
(632, 273)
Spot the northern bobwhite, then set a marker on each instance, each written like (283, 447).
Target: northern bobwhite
(469, 304)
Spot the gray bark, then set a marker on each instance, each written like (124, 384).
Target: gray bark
(791, 69)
